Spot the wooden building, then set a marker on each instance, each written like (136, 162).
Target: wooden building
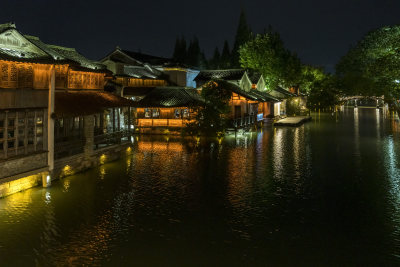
(166, 108)
(249, 102)
(134, 70)
(40, 88)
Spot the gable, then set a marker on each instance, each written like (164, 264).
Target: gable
(261, 84)
(119, 56)
(245, 83)
(15, 44)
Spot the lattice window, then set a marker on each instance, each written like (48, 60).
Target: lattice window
(9, 75)
(25, 76)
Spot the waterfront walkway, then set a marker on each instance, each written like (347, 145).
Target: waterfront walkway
(292, 121)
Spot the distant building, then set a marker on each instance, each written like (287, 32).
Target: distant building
(136, 70)
(249, 81)
(166, 108)
(54, 114)
(250, 100)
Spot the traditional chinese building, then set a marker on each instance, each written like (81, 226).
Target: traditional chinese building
(166, 108)
(249, 103)
(134, 71)
(51, 101)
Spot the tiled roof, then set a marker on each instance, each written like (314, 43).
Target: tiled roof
(12, 54)
(171, 97)
(66, 54)
(6, 26)
(229, 75)
(78, 103)
(142, 72)
(137, 91)
(283, 91)
(144, 58)
(253, 94)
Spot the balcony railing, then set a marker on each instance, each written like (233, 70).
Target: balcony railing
(244, 121)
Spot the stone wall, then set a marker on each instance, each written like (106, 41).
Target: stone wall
(10, 187)
(81, 162)
(22, 164)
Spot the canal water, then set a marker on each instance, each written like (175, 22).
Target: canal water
(326, 193)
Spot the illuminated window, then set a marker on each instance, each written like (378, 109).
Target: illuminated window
(147, 113)
(156, 113)
(185, 113)
(177, 114)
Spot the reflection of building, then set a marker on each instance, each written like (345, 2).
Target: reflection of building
(250, 101)
(51, 103)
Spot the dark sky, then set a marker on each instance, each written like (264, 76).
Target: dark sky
(319, 31)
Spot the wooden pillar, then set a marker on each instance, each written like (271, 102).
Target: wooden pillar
(129, 120)
(113, 119)
(88, 133)
(119, 119)
(26, 133)
(34, 130)
(5, 144)
(50, 126)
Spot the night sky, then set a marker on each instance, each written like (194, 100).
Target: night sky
(319, 31)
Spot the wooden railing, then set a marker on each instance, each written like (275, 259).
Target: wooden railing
(244, 121)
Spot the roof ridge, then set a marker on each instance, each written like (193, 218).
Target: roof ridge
(61, 47)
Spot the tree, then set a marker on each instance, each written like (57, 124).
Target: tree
(267, 54)
(215, 60)
(225, 62)
(193, 53)
(211, 118)
(180, 51)
(243, 34)
(310, 75)
(324, 93)
(372, 66)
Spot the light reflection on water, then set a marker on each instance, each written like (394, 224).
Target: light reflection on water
(325, 193)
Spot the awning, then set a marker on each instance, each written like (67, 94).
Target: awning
(80, 103)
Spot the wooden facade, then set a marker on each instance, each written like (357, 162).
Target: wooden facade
(139, 82)
(37, 76)
(176, 117)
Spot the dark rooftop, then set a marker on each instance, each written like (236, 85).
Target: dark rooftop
(78, 103)
(165, 97)
(252, 94)
(144, 58)
(229, 75)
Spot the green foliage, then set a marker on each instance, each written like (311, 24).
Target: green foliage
(323, 93)
(211, 118)
(267, 54)
(372, 67)
(310, 75)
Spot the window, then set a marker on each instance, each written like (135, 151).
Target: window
(156, 113)
(21, 132)
(177, 114)
(185, 113)
(147, 113)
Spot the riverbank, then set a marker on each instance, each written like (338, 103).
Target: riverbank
(293, 121)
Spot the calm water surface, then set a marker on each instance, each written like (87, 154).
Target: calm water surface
(325, 193)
